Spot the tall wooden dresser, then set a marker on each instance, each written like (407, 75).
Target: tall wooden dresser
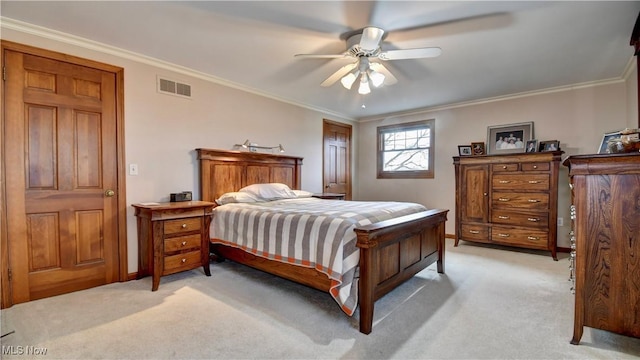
(509, 199)
(606, 242)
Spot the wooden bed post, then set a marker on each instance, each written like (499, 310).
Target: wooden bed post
(368, 281)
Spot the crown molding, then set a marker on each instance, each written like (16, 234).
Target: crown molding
(493, 99)
(50, 34)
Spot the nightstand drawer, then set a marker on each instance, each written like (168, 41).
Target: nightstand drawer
(182, 225)
(505, 167)
(182, 243)
(180, 262)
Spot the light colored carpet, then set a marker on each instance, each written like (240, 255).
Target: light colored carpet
(491, 304)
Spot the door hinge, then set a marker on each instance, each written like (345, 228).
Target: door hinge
(9, 274)
(4, 73)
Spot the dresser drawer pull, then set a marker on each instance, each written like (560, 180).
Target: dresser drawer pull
(504, 181)
(474, 231)
(535, 166)
(184, 261)
(534, 182)
(184, 226)
(533, 238)
(184, 243)
(503, 199)
(503, 235)
(533, 219)
(504, 166)
(534, 200)
(503, 217)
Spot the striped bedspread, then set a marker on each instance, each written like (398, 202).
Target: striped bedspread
(307, 232)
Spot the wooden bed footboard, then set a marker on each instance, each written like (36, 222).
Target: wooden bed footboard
(393, 251)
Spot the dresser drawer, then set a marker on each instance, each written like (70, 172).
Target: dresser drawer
(505, 167)
(520, 182)
(475, 232)
(538, 201)
(507, 217)
(542, 166)
(182, 225)
(181, 262)
(534, 239)
(182, 243)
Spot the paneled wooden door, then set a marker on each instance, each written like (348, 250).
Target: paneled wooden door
(61, 162)
(337, 158)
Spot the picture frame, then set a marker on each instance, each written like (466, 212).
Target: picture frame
(517, 135)
(603, 149)
(464, 150)
(531, 146)
(549, 145)
(477, 148)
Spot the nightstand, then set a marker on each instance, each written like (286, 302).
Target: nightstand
(329, 196)
(173, 237)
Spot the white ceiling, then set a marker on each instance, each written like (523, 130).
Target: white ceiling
(489, 49)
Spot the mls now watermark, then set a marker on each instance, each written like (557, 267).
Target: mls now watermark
(23, 350)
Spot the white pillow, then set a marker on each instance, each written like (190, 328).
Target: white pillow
(302, 193)
(271, 191)
(236, 197)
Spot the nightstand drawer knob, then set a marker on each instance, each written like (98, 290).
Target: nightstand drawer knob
(184, 261)
(184, 243)
(184, 226)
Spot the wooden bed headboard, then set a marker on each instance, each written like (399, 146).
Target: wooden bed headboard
(223, 171)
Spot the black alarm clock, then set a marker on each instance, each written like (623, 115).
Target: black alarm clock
(183, 196)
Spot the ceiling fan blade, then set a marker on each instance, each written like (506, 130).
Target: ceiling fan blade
(323, 56)
(371, 37)
(410, 53)
(339, 74)
(389, 79)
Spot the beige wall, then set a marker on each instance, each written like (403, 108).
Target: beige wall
(632, 97)
(577, 118)
(162, 131)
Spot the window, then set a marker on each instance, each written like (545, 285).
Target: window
(405, 151)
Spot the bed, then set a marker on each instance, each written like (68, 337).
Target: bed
(390, 251)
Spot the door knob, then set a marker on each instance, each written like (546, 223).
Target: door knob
(109, 193)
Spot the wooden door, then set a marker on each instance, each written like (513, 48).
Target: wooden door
(61, 161)
(475, 193)
(337, 158)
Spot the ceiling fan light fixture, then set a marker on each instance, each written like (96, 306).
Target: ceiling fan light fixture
(348, 80)
(364, 85)
(377, 79)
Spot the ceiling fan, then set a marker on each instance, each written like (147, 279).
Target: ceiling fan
(364, 46)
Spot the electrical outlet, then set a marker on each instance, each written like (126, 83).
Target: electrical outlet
(560, 221)
(133, 169)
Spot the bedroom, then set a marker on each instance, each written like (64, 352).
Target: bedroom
(162, 132)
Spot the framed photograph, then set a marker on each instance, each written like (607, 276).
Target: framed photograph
(605, 139)
(511, 138)
(531, 146)
(550, 145)
(477, 148)
(464, 150)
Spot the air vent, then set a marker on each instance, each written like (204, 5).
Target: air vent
(172, 87)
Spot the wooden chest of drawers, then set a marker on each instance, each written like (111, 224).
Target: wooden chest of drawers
(508, 199)
(173, 237)
(606, 242)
